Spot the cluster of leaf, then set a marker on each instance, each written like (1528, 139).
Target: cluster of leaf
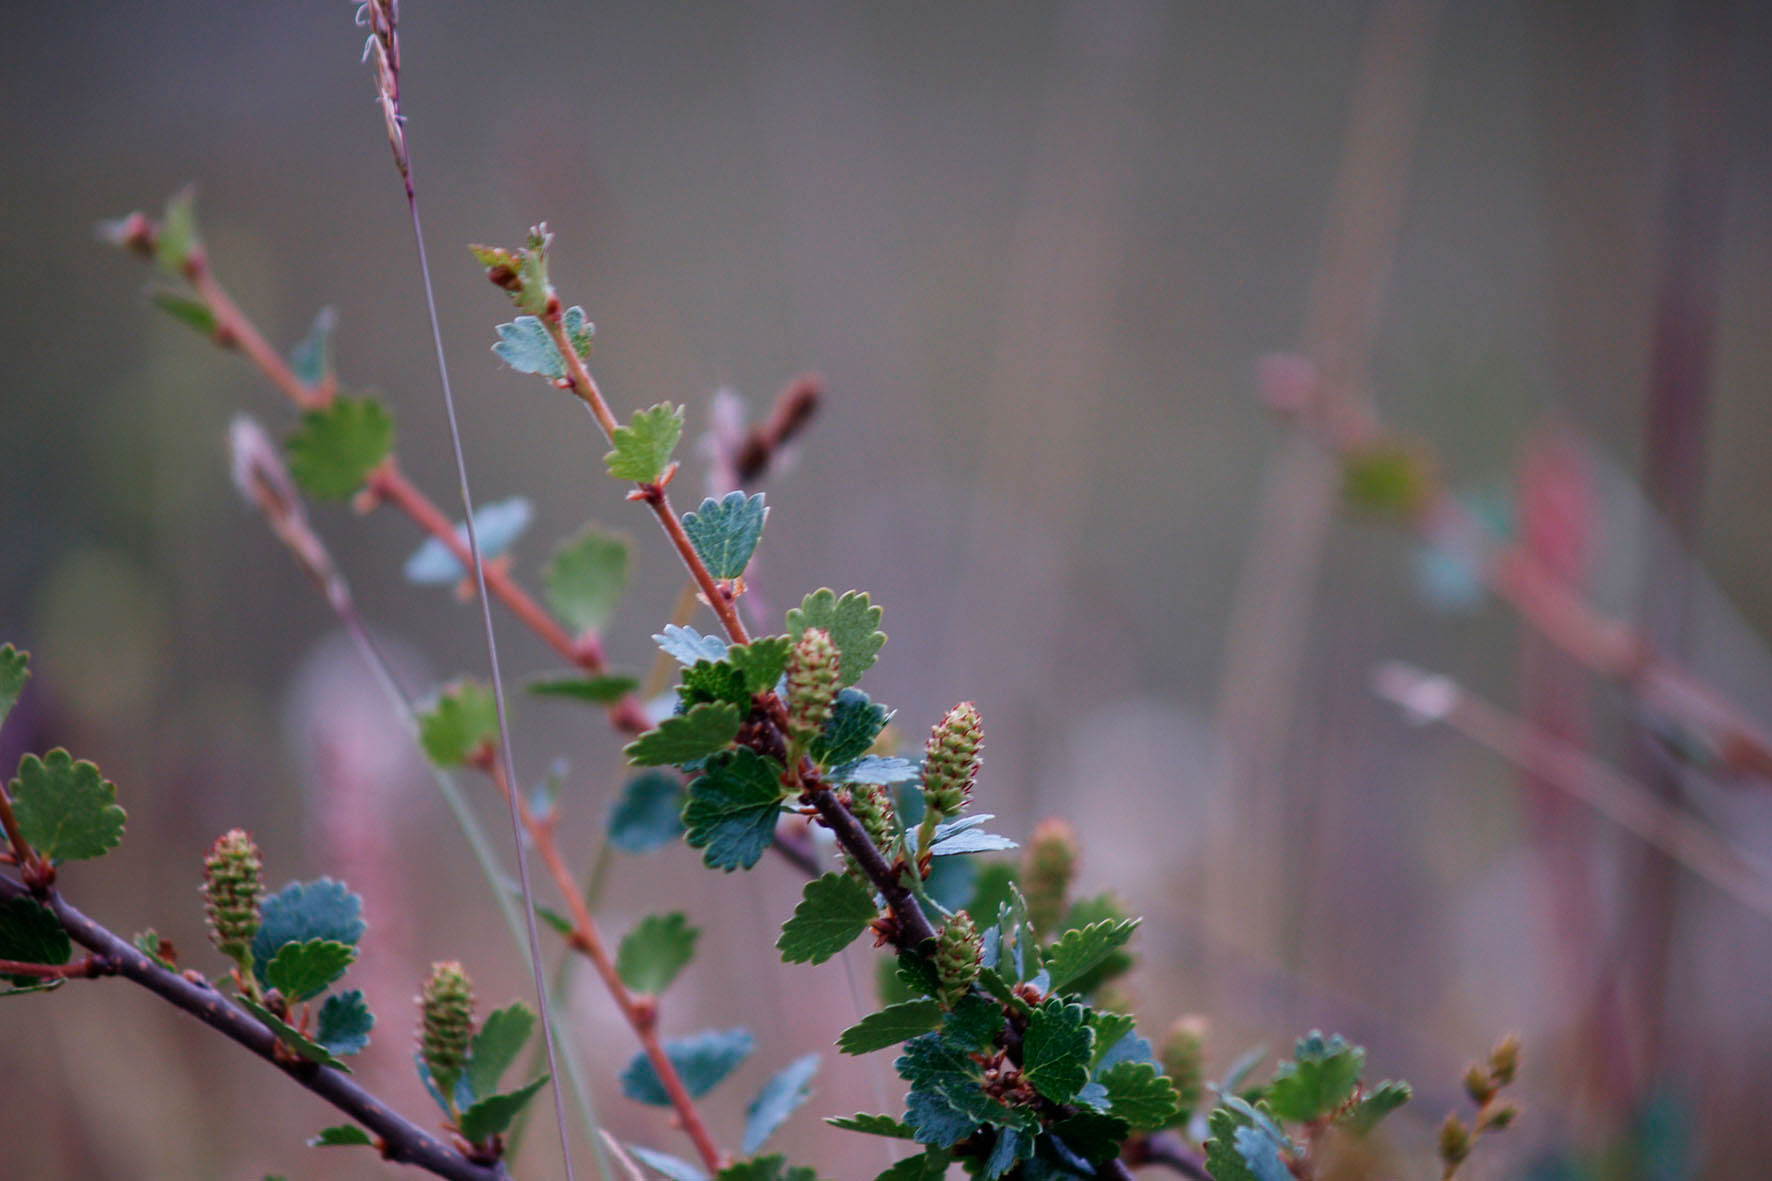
(65, 811)
(307, 939)
(1319, 1089)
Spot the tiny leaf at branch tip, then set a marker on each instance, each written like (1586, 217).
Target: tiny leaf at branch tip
(15, 670)
(659, 947)
(642, 449)
(458, 723)
(585, 578)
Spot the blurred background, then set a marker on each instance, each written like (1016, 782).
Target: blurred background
(1038, 252)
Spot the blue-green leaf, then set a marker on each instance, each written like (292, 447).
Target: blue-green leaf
(649, 814)
(1320, 1079)
(666, 1165)
(345, 1022)
(881, 769)
(525, 345)
(872, 1125)
(497, 526)
(1139, 1094)
(702, 1061)
(685, 645)
(311, 358)
(321, 909)
(1056, 1051)
(725, 532)
(761, 662)
(733, 807)
(780, 1096)
(855, 722)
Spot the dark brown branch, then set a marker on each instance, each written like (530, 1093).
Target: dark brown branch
(400, 1139)
(913, 925)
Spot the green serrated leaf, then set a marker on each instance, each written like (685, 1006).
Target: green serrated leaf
(685, 737)
(188, 310)
(500, 1038)
(526, 346)
(649, 813)
(585, 578)
(493, 1114)
(321, 909)
(1320, 1078)
(1109, 1029)
(31, 934)
(1092, 1135)
(780, 1097)
(714, 680)
(765, 1168)
(891, 1025)
(762, 661)
(1081, 951)
(654, 952)
(1223, 1161)
(873, 1125)
(311, 359)
(290, 1036)
(1056, 1051)
(333, 449)
(601, 690)
(702, 1060)
(733, 807)
(643, 448)
(302, 971)
(1140, 1094)
(725, 532)
(974, 1024)
(459, 723)
(854, 625)
(345, 1022)
(1377, 1103)
(931, 1165)
(66, 810)
(855, 722)
(15, 670)
(341, 1136)
(834, 910)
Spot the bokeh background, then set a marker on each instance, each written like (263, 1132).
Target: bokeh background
(1037, 252)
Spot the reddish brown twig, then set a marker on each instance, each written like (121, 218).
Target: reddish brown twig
(640, 1012)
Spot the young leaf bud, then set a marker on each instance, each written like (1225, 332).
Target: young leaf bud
(1184, 1060)
(1504, 1059)
(446, 1023)
(1479, 1085)
(1051, 867)
(812, 683)
(1455, 1143)
(959, 954)
(233, 883)
(951, 760)
(1497, 1118)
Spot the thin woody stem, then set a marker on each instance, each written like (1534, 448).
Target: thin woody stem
(398, 1138)
(26, 857)
(585, 386)
(640, 1013)
(87, 967)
